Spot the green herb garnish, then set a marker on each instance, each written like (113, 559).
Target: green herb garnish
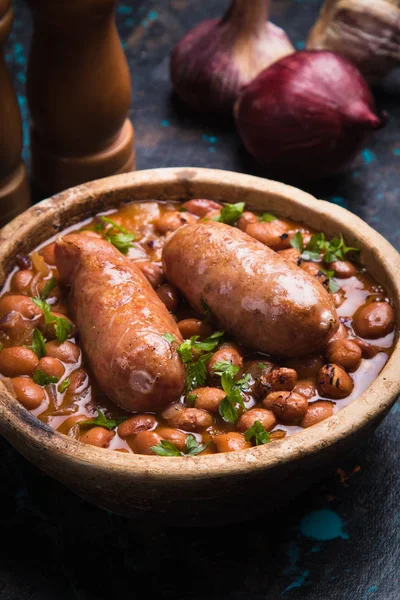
(62, 327)
(191, 399)
(331, 251)
(169, 337)
(192, 448)
(230, 213)
(332, 285)
(38, 344)
(50, 285)
(206, 310)
(228, 407)
(267, 217)
(42, 379)
(225, 366)
(64, 385)
(297, 242)
(102, 421)
(258, 433)
(197, 369)
(122, 240)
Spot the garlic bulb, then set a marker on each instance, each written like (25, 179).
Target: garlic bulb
(367, 32)
(214, 60)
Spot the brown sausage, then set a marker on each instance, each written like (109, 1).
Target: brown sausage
(267, 303)
(122, 322)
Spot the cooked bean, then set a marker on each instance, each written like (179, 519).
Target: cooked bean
(20, 304)
(345, 353)
(137, 423)
(367, 350)
(176, 437)
(170, 221)
(314, 270)
(21, 281)
(340, 334)
(66, 351)
(30, 394)
(152, 272)
(90, 233)
(189, 419)
(265, 417)
(97, 436)
(343, 268)
(317, 411)
(306, 367)
(334, 382)
(200, 206)
(169, 295)
(230, 442)
(144, 441)
(274, 234)
(51, 367)
(208, 398)
(23, 262)
(306, 388)
(246, 218)
(374, 320)
(17, 361)
(70, 422)
(190, 327)
(48, 254)
(79, 382)
(18, 329)
(292, 255)
(226, 353)
(212, 214)
(282, 378)
(288, 407)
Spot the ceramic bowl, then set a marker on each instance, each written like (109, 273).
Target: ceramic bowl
(213, 488)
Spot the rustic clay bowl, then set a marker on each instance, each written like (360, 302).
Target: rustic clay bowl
(214, 488)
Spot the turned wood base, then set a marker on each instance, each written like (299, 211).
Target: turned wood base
(14, 195)
(52, 172)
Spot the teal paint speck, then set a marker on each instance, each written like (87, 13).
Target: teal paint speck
(297, 583)
(293, 555)
(368, 156)
(396, 151)
(338, 200)
(300, 45)
(165, 123)
(356, 174)
(379, 196)
(129, 22)
(212, 139)
(211, 149)
(21, 77)
(153, 15)
(323, 525)
(18, 48)
(124, 10)
(371, 589)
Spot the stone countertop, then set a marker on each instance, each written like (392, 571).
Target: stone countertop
(338, 540)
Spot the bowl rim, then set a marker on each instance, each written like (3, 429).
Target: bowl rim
(370, 406)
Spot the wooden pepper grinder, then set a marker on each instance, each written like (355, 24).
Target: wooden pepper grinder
(14, 190)
(79, 95)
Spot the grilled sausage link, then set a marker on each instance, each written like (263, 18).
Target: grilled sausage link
(264, 301)
(121, 323)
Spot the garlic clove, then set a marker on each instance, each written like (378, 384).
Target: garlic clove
(214, 60)
(364, 31)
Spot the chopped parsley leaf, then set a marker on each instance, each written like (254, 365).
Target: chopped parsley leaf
(297, 242)
(42, 379)
(38, 344)
(225, 366)
(169, 337)
(230, 213)
(64, 385)
(50, 285)
(62, 327)
(267, 217)
(192, 448)
(258, 433)
(102, 421)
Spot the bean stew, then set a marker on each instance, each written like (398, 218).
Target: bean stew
(64, 357)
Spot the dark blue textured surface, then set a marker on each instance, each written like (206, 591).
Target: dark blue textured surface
(340, 540)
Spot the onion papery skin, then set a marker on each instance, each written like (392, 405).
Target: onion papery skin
(307, 115)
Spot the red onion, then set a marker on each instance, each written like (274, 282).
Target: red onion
(214, 60)
(307, 115)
